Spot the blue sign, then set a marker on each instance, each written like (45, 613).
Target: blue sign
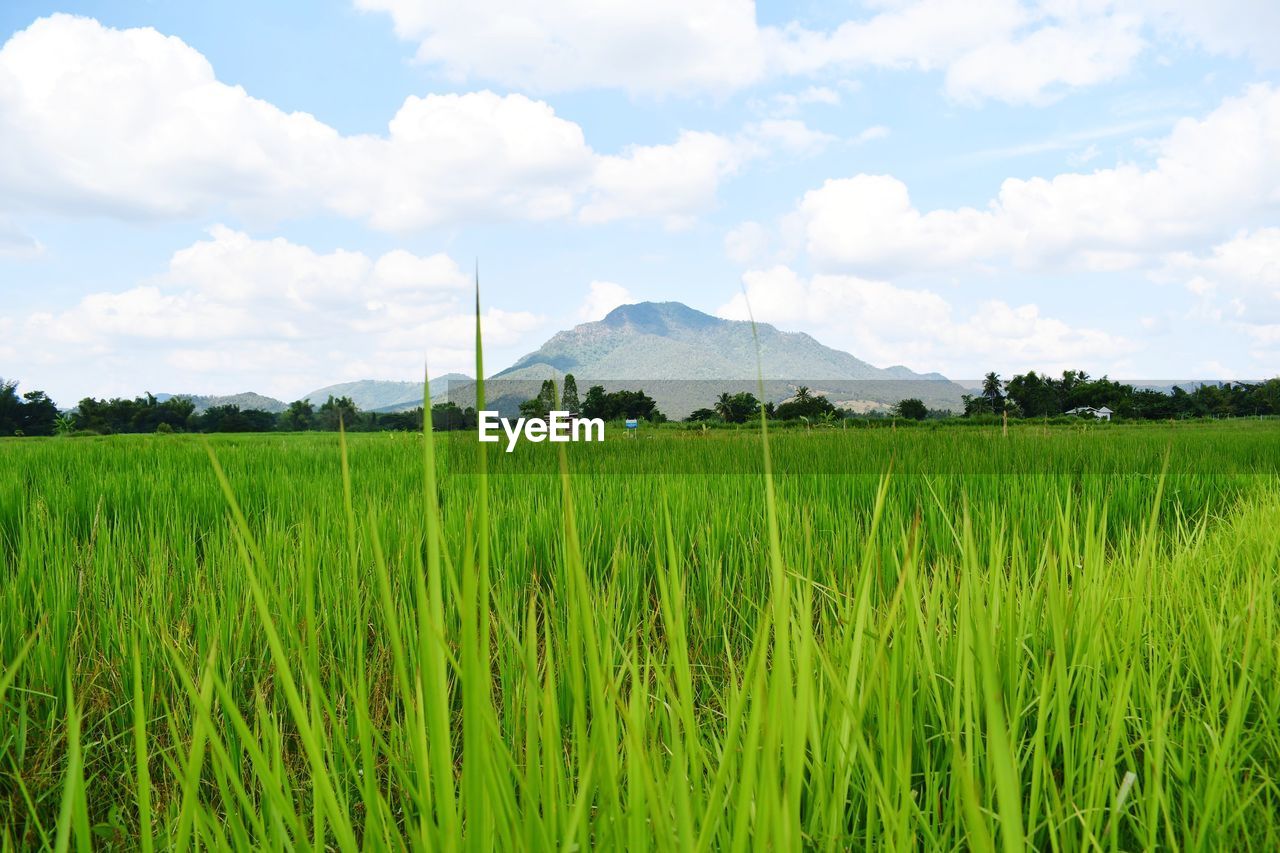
(632, 423)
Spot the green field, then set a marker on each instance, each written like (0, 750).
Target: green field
(1060, 638)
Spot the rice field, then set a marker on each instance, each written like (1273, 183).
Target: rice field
(951, 639)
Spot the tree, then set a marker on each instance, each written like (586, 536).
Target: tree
(299, 417)
(39, 414)
(737, 408)
(230, 418)
(993, 392)
(447, 416)
(337, 410)
(702, 415)
(634, 404)
(612, 406)
(724, 407)
(31, 414)
(143, 414)
(804, 405)
(10, 408)
(541, 405)
(1034, 396)
(595, 404)
(569, 399)
(912, 409)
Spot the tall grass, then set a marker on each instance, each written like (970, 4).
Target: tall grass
(382, 641)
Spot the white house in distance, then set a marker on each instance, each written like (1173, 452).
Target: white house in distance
(1102, 414)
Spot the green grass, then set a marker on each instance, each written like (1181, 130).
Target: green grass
(940, 639)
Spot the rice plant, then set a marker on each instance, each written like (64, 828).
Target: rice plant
(946, 639)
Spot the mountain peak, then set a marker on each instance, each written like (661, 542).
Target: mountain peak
(684, 358)
(670, 340)
(658, 317)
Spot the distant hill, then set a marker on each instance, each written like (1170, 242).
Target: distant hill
(383, 395)
(685, 358)
(669, 340)
(245, 400)
(681, 357)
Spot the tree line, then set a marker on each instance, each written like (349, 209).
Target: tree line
(1026, 395)
(33, 413)
(598, 403)
(1032, 395)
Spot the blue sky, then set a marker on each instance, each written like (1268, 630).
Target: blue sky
(212, 198)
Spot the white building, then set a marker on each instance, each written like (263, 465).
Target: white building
(1102, 414)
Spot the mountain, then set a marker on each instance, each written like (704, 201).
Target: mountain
(245, 400)
(685, 359)
(669, 340)
(382, 395)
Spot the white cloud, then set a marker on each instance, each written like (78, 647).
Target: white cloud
(603, 297)
(132, 123)
(401, 270)
(1084, 156)
(1019, 51)
(16, 243)
(748, 243)
(791, 103)
(1048, 61)
(886, 324)
(1237, 281)
(280, 316)
(1208, 175)
(788, 135)
(1230, 27)
(656, 46)
(868, 222)
(677, 181)
(877, 131)
(1006, 49)
(1002, 50)
(671, 181)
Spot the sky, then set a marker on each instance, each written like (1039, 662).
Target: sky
(212, 198)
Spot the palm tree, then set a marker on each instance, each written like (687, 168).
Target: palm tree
(993, 391)
(724, 406)
(802, 394)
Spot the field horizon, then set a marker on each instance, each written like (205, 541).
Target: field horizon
(315, 653)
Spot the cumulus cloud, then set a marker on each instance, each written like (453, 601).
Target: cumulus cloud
(876, 131)
(661, 45)
(1004, 49)
(748, 243)
(1043, 64)
(132, 123)
(281, 316)
(603, 297)
(791, 103)
(671, 181)
(16, 243)
(1018, 51)
(886, 324)
(1207, 175)
(1237, 281)
(1229, 27)
(677, 181)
